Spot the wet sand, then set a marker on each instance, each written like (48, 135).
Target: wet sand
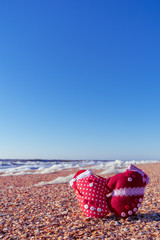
(52, 211)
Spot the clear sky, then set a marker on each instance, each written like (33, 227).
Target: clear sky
(80, 79)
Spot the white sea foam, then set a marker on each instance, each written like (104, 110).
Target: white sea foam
(112, 169)
(21, 167)
(57, 180)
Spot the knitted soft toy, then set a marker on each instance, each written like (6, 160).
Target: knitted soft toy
(91, 193)
(127, 191)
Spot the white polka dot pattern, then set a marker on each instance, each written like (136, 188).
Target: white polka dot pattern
(92, 196)
(86, 206)
(135, 209)
(129, 179)
(123, 214)
(130, 212)
(98, 209)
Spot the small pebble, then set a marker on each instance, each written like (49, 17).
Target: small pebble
(125, 229)
(117, 223)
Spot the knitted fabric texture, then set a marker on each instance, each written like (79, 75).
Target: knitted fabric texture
(91, 193)
(127, 191)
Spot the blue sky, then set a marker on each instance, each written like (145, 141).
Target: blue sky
(80, 79)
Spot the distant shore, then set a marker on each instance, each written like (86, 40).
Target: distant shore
(52, 212)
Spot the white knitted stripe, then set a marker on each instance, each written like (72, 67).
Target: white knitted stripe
(128, 191)
(87, 173)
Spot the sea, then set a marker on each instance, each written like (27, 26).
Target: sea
(41, 166)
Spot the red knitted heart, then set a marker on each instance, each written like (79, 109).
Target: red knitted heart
(127, 191)
(91, 193)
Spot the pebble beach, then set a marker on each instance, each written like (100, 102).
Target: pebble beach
(29, 210)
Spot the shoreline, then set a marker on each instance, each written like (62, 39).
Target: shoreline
(21, 180)
(52, 211)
